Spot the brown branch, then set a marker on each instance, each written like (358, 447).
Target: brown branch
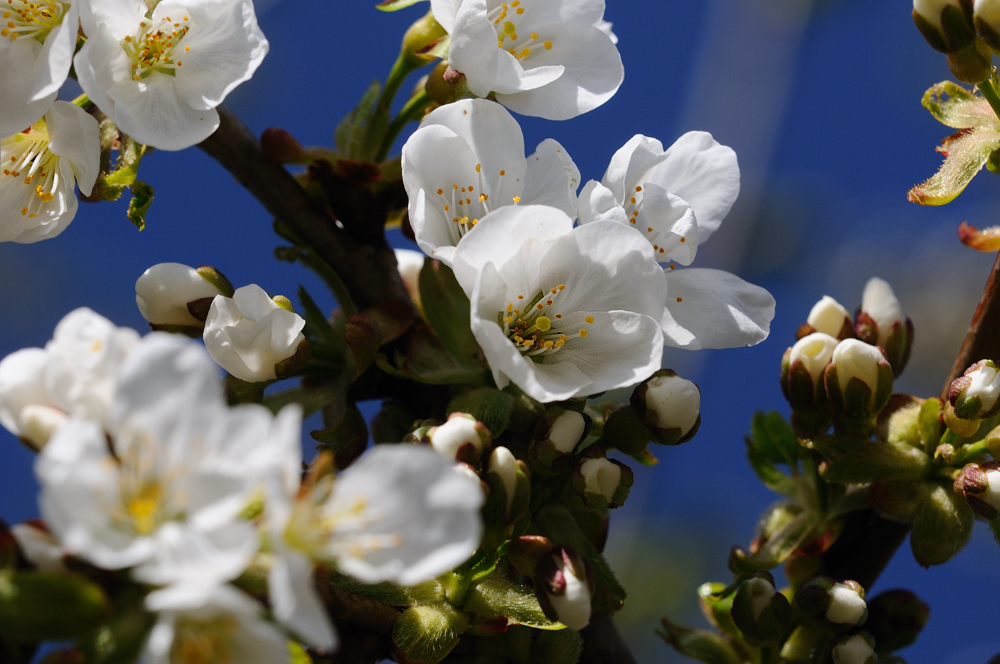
(368, 269)
(983, 339)
(602, 644)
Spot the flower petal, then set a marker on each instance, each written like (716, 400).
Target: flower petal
(183, 555)
(631, 160)
(473, 49)
(74, 135)
(17, 111)
(151, 112)
(101, 64)
(715, 309)
(121, 18)
(21, 385)
(56, 57)
(552, 178)
(295, 602)
(598, 203)
(669, 224)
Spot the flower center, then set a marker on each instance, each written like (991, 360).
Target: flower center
(153, 48)
(26, 157)
(534, 326)
(518, 44)
(30, 19)
(464, 206)
(204, 641)
(146, 495)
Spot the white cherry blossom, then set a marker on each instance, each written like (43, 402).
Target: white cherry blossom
(159, 76)
(467, 159)
(400, 513)
(249, 334)
(37, 40)
(553, 59)
(560, 311)
(75, 375)
(164, 292)
(39, 167)
(163, 497)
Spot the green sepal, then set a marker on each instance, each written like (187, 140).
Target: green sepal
(895, 619)
(44, 606)
(853, 461)
(699, 644)
(426, 634)
(773, 621)
(930, 424)
(716, 606)
(488, 405)
(359, 135)
(497, 596)
(138, 207)
(447, 310)
(625, 431)
(805, 643)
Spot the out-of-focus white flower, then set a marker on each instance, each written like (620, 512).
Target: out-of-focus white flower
(675, 401)
(814, 351)
(164, 496)
(73, 376)
(410, 263)
(467, 159)
(567, 431)
(249, 334)
(39, 546)
(160, 77)
(400, 513)
(880, 303)
(828, 316)
(560, 311)
(166, 292)
(39, 168)
(601, 477)
(219, 624)
(37, 40)
(553, 59)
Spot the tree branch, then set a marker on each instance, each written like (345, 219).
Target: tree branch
(983, 339)
(602, 644)
(368, 269)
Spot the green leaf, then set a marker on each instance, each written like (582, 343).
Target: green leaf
(785, 540)
(428, 361)
(856, 461)
(942, 525)
(396, 5)
(347, 439)
(447, 310)
(556, 522)
(699, 644)
(488, 405)
(556, 647)
(121, 639)
(138, 207)
(497, 596)
(957, 107)
(312, 397)
(774, 438)
(318, 327)
(43, 606)
(428, 592)
(349, 136)
(768, 473)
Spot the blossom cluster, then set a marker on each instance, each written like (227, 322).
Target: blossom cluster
(143, 467)
(157, 71)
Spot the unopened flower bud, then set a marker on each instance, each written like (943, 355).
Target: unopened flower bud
(882, 323)
(176, 298)
(461, 438)
(986, 17)
(979, 484)
(421, 38)
(760, 612)
(975, 395)
(445, 85)
(556, 436)
(603, 482)
(802, 370)
(409, 264)
(568, 431)
(948, 27)
(855, 649)
(503, 464)
(829, 317)
(250, 334)
(895, 619)
(670, 406)
(566, 587)
(833, 603)
(282, 148)
(858, 383)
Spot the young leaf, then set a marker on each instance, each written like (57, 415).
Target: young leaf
(699, 644)
(488, 405)
(785, 540)
(138, 207)
(855, 461)
(774, 438)
(942, 525)
(773, 479)
(497, 596)
(447, 310)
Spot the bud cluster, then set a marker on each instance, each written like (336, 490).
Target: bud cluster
(965, 30)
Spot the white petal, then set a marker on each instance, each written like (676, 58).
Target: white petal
(184, 556)
(674, 233)
(716, 309)
(163, 292)
(17, 111)
(444, 12)
(414, 497)
(219, 54)
(592, 76)
(74, 135)
(120, 17)
(512, 78)
(552, 178)
(629, 162)
(39, 546)
(151, 112)
(295, 602)
(101, 64)
(473, 50)
(21, 384)
(703, 173)
(586, 12)
(598, 203)
(56, 57)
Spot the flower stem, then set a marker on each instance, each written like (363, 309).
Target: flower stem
(412, 111)
(83, 101)
(990, 91)
(969, 451)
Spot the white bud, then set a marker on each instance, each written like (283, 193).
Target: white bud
(39, 546)
(163, 292)
(828, 316)
(676, 402)
(879, 302)
(601, 477)
(450, 437)
(503, 464)
(855, 650)
(38, 423)
(465, 470)
(249, 334)
(985, 385)
(847, 607)
(815, 352)
(567, 431)
(992, 494)
(573, 606)
(761, 592)
(856, 359)
(989, 11)
(409, 263)
(931, 9)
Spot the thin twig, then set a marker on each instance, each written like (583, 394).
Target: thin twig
(983, 339)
